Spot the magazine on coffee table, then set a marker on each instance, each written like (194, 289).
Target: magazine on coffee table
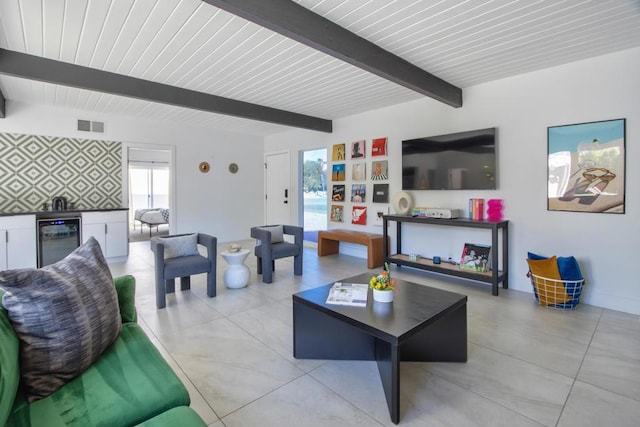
(353, 294)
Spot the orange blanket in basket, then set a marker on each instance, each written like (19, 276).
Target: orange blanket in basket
(549, 291)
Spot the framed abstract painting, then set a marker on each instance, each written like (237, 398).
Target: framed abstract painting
(586, 167)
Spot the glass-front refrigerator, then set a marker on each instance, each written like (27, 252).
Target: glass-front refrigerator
(57, 238)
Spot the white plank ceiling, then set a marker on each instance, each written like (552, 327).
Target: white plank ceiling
(190, 44)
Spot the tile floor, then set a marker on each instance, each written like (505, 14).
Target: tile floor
(528, 365)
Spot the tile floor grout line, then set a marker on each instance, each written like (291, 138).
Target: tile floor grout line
(526, 361)
(478, 394)
(338, 394)
(564, 405)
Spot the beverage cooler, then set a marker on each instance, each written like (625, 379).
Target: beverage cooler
(57, 238)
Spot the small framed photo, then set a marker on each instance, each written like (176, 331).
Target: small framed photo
(380, 193)
(337, 213)
(357, 149)
(380, 170)
(379, 147)
(337, 173)
(358, 193)
(359, 171)
(338, 153)
(359, 215)
(338, 193)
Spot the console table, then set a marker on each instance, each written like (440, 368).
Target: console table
(498, 246)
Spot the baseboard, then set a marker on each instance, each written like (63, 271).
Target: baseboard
(613, 302)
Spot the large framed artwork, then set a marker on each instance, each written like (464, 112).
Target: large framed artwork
(586, 167)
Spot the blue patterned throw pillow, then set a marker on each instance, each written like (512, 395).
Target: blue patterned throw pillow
(65, 315)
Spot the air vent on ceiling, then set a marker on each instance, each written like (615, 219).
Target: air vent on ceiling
(89, 126)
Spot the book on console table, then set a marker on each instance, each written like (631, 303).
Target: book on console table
(353, 294)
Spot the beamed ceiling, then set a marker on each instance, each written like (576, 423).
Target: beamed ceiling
(286, 64)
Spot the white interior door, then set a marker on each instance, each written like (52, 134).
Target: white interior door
(277, 188)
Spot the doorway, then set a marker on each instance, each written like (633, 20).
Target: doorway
(313, 210)
(277, 185)
(149, 172)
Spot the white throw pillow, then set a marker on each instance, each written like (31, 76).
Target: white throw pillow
(277, 233)
(179, 246)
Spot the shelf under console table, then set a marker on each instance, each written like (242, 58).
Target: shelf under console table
(498, 247)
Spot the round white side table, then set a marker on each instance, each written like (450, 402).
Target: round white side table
(237, 274)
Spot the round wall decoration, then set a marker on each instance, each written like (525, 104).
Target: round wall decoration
(233, 167)
(204, 167)
(402, 203)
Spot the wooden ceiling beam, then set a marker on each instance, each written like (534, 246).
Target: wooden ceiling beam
(47, 70)
(304, 26)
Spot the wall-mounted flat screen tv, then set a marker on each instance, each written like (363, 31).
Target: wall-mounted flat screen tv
(457, 161)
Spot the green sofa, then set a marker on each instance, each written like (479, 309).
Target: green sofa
(130, 383)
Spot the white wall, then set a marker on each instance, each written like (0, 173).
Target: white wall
(521, 108)
(219, 203)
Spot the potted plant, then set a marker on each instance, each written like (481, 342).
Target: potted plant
(382, 285)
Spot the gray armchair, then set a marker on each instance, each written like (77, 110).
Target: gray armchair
(271, 246)
(177, 256)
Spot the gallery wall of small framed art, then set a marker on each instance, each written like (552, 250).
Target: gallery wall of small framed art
(356, 182)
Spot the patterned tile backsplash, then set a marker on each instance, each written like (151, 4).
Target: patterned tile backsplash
(35, 169)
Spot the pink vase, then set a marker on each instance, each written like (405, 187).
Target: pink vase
(494, 209)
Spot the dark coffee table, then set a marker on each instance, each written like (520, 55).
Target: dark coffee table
(422, 324)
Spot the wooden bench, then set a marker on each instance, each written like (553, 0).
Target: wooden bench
(329, 244)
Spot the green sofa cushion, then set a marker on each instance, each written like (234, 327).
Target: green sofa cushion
(182, 416)
(129, 384)
(126, 289)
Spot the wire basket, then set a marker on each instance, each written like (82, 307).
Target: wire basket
(556, 293)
